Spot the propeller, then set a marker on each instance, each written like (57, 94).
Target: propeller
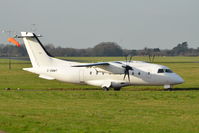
(127, 68)
(151, 58)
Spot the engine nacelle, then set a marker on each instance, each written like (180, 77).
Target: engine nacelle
(118, 84)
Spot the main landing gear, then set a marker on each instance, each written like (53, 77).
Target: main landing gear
(117, 89)
(107, 89)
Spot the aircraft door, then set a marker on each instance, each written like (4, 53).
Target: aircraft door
(148, 76)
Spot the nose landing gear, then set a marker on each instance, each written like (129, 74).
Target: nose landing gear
(168, 87)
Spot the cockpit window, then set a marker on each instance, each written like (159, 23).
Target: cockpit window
(160, 71)
(168, 71)
(164, 71)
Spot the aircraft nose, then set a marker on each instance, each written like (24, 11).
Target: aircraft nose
(178, 79)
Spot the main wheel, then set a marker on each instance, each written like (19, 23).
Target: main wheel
(106, 88)
(117, 89)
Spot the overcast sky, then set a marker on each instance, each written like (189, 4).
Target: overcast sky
(133, 24)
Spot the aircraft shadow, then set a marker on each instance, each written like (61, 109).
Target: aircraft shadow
(182, 89)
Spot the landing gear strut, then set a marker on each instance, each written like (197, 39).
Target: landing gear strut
(168, 87)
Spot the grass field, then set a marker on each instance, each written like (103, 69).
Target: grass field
(98, 111)
(89, 109)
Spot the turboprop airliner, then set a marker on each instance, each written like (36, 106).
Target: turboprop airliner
(116, 74)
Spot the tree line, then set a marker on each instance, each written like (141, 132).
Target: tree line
(102, 49)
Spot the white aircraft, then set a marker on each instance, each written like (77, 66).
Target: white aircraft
(116, 74)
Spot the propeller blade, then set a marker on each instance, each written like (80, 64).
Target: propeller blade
(125, 72)
(127, 68)
(128, 76)
(124, 76)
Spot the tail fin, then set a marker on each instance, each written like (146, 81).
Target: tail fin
(37, 53)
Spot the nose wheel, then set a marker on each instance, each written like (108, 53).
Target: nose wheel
(168, 87)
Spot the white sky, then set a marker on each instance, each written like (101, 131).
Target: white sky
(133, 24)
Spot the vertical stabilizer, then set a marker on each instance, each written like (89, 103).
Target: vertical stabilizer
(38, 55)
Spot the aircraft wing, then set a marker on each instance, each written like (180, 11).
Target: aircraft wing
(93, 64)
(107, 66)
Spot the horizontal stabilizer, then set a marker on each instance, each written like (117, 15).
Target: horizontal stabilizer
(30, 70)
(27, 35)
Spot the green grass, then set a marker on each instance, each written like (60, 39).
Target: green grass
(88, 110)
(98, 111)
